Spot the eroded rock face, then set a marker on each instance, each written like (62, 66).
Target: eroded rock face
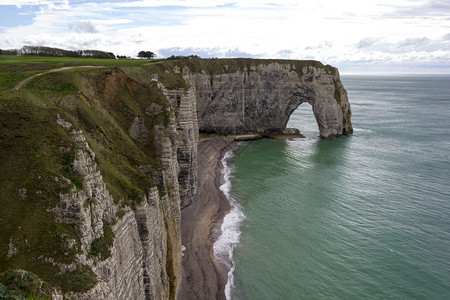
(260, 99)
(184, 103)
(137, 267)
(182, 129)
(145, 261)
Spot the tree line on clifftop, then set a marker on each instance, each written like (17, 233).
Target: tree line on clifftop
(56, 52)
(48, 51)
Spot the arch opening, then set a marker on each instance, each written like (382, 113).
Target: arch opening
(303, 119)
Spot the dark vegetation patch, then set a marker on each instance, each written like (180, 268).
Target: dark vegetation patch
(337, 93)
(101, 247)
(120, 214)
(67, 158)
(166, 73)
(79, 280)
(20, 284)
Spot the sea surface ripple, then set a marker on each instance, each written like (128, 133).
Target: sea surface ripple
(365, 216)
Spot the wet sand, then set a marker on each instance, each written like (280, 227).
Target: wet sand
(203, 276)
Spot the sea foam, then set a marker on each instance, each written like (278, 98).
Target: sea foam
(230, 229)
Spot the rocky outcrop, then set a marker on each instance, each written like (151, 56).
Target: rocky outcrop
(261, 97)
(183, 128)
(140, 265)
(183, 102)
(145, 255)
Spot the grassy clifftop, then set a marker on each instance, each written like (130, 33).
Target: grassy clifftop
(37, 156)
(13, 69)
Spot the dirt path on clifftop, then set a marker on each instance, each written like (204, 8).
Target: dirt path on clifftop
(20, 84)
(204, 277)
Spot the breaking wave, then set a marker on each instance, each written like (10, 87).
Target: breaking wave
(230, 229)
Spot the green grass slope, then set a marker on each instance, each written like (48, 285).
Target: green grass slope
(36, 156)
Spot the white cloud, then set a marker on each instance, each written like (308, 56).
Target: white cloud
(27, 2)
(414, 42)
(54, 4)
(336, 32)
(84, 27)
(367, 42)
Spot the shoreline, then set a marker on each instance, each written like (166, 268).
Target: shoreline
(203, 275)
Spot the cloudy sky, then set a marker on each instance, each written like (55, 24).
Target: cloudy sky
(397, 36)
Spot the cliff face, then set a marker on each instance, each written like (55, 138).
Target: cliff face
(145, 260)
(261, 98)
(115, 160)
(104, 160)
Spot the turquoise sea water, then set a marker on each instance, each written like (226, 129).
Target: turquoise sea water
(365, 216)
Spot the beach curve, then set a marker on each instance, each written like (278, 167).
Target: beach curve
(204, 276)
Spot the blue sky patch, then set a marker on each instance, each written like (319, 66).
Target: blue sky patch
(12, 16)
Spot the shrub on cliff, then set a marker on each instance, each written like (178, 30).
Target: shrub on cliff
(146, 54)
(20, 284)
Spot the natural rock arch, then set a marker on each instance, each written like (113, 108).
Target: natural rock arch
(260, 99)
(303, 119)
